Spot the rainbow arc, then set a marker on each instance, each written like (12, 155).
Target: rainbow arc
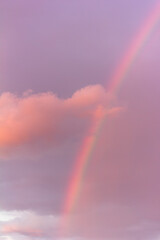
(85, 154)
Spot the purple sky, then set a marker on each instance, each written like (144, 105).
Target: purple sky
(56, 61)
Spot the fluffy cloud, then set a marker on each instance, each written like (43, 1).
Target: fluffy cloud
(45, 119)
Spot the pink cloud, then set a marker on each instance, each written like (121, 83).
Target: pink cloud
(45, 118)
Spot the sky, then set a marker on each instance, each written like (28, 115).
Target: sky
(56, 62)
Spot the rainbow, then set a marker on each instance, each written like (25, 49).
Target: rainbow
(85, 154)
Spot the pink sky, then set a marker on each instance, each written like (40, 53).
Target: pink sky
(56, 61)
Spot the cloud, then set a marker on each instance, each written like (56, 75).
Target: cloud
(45, 119)
(30, 224)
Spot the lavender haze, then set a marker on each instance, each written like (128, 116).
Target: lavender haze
(56, 61)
